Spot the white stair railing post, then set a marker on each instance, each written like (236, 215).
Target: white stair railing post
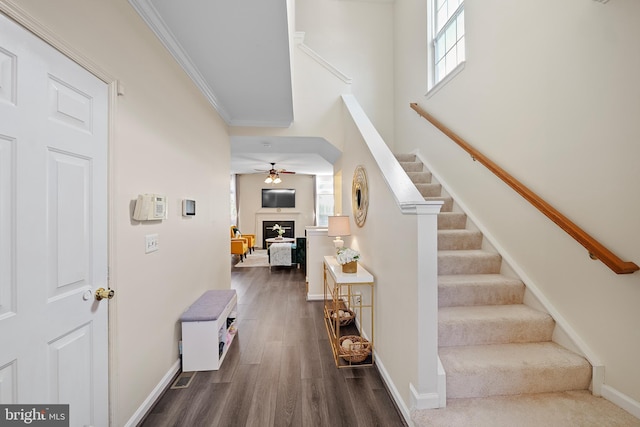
(429, 392)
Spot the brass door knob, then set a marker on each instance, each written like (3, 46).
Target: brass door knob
(102, 293)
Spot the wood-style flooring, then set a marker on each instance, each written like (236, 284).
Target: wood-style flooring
(279, 370)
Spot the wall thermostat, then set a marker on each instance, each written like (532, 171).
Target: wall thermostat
(188, 207)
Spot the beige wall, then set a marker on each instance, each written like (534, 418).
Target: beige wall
(357, 38)
(388, 247)
(166, 139)
(317, 106)
(251, 213)
(549, 92)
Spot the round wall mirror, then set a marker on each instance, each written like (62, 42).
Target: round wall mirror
(359, 196)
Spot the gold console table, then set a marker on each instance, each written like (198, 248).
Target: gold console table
(351, 294)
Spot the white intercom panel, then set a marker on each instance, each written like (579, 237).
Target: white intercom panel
(150, 207)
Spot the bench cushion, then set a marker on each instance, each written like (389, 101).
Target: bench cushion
(208, 307)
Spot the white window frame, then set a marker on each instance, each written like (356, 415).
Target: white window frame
(432, 84)
(324, 187)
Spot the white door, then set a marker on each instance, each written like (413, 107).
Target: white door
(53, 239)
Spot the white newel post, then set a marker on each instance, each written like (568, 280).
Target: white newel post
(430, 390)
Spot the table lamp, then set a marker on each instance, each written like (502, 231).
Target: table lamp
(338, 226)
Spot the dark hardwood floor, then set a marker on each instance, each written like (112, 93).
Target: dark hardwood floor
(279, 370)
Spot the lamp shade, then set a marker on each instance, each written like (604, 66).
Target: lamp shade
(339, 226)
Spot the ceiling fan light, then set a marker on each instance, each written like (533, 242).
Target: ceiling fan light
(277, 180)
(268, 180)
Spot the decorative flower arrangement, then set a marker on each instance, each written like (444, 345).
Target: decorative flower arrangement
(347, 255)
(279, 229)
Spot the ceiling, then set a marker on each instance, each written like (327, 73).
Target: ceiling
(313, 156)
(237, 53)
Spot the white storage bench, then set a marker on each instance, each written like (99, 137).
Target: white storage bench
(208, 329)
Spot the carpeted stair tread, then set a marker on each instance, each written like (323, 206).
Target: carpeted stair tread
(405, 157)
(459, 240)
(478, 289)
(503, 369)
(492, 324)
(468, 262)
(423, 177)
(412, 166)
(429, 190)
(448, 202)
(559, 409)
(452, 220)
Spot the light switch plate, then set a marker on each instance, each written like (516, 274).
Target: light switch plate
(151, 243)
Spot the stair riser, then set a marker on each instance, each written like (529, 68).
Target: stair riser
(429, 190)
(406, 157)
(452, 221)
(492, 382)
(460, 264)
(459, 241)
(495, 332)
(412, 166)
(490, 294)
(448, 203)
(420, 177)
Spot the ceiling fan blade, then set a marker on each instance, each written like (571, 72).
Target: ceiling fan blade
(284, 171)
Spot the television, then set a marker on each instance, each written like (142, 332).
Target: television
(278, 198)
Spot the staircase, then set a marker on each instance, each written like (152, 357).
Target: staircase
(490, 343)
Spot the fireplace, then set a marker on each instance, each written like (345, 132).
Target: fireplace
(267, 232)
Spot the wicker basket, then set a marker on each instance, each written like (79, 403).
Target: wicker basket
(345, 320)
(358, 351)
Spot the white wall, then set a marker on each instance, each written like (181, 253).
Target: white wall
(166, 139)
(550, 93)
(251, 213)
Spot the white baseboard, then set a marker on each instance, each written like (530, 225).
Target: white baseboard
(423, 400)
(431, 400)
(315, 297)
(442, 384)
(404, 410)
(621, 399)
(155, 394)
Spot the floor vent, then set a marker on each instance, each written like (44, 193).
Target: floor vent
(183, 380)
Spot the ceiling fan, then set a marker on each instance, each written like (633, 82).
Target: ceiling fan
(274, 174)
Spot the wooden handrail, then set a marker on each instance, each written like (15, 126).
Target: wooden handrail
(595, 248)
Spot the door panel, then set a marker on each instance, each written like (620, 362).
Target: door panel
(7, 225)
(69, 357)
(69, 105)
(53, 240)
(8, 386)
(8, 79)
(68, 206)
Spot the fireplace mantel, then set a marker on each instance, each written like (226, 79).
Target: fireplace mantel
(270, 215)
(274, 212)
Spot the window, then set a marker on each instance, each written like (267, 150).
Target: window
(233, 214)
(447, 39)
(324, 202)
